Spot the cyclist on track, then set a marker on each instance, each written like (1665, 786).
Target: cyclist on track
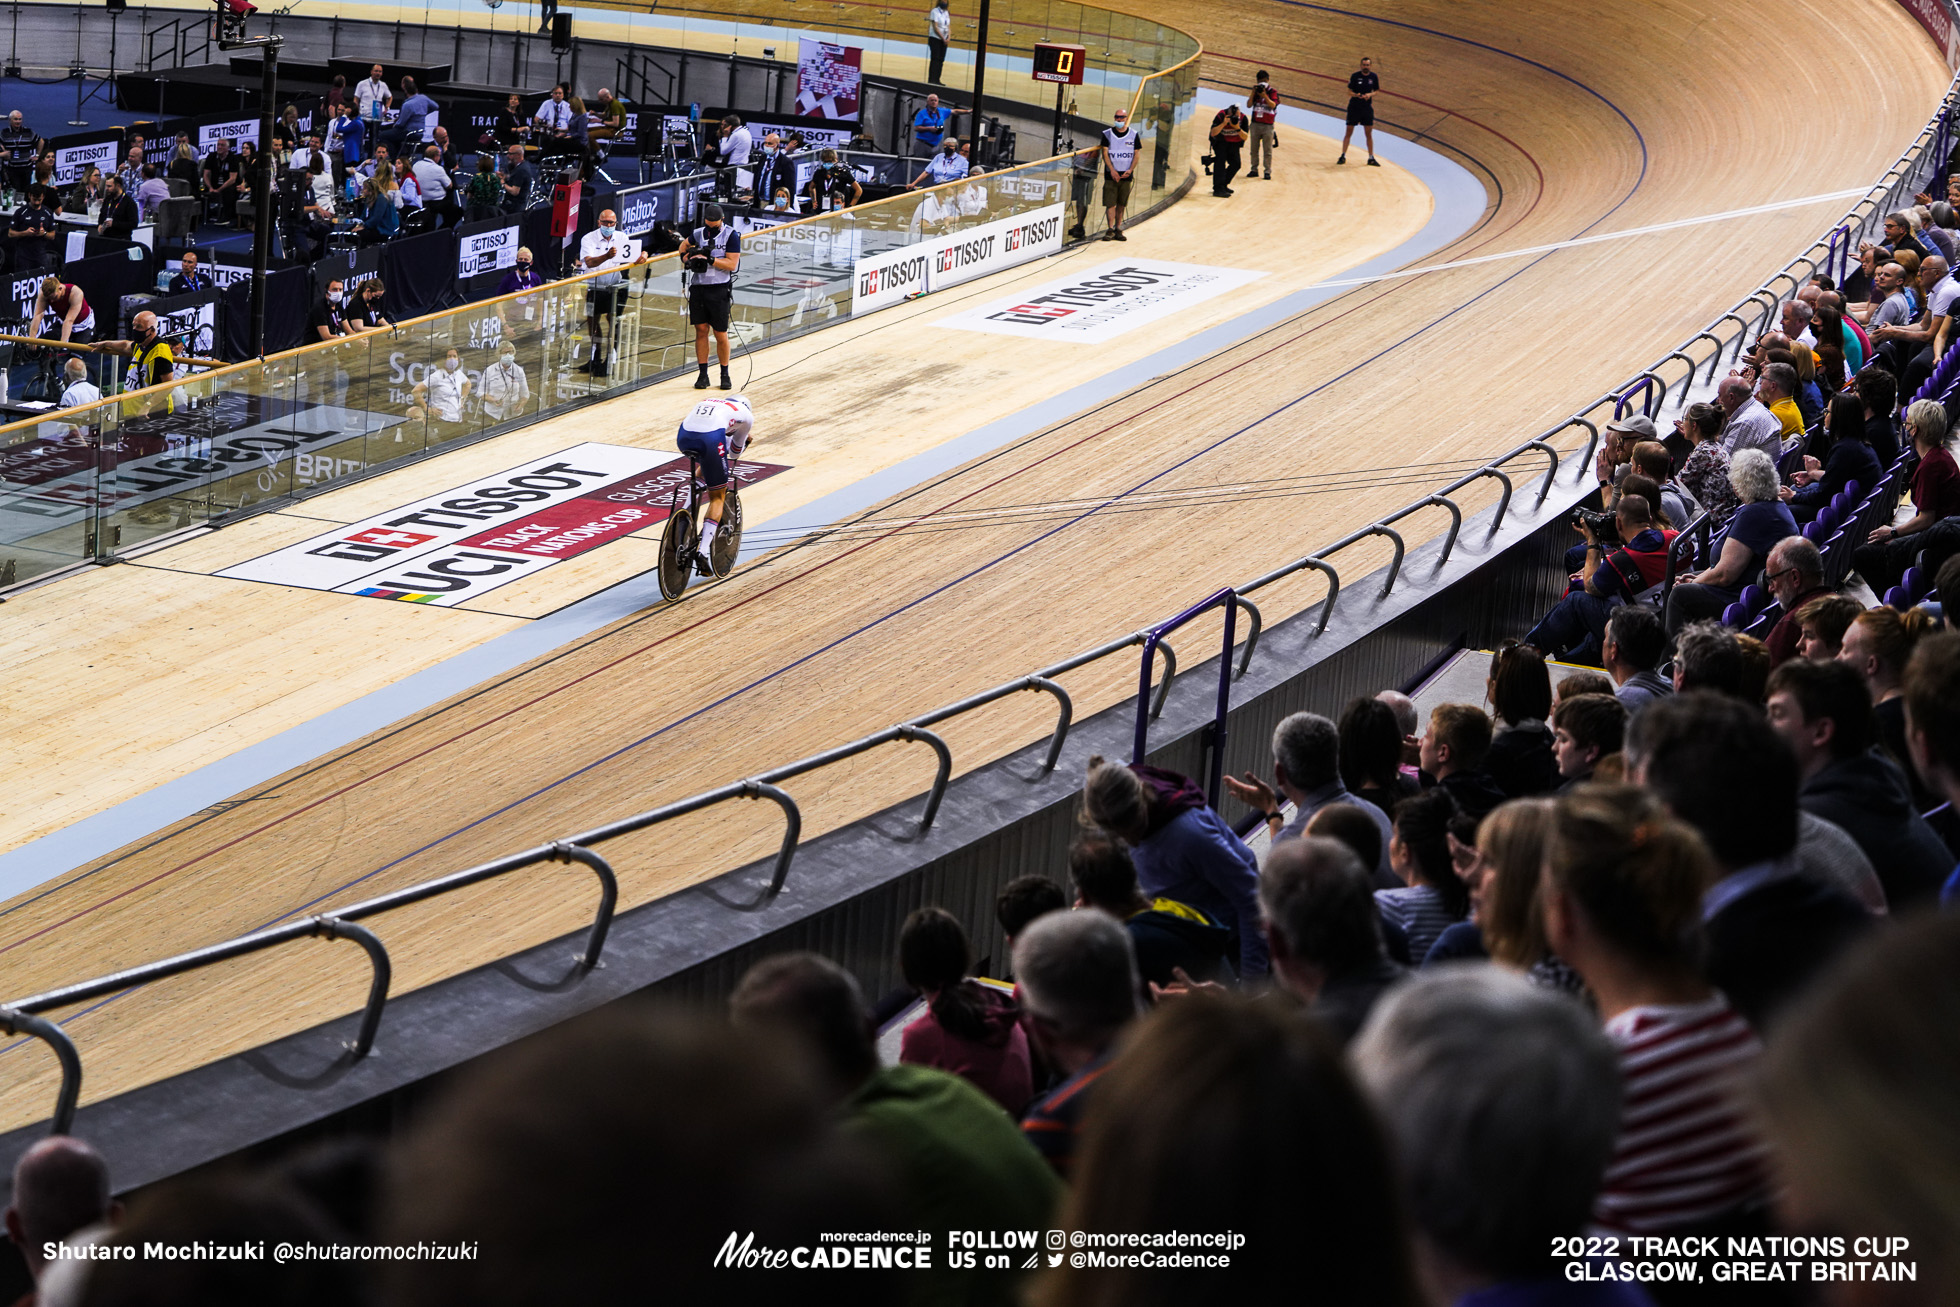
(715, 431)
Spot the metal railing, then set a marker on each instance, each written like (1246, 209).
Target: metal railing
(1153, 639)
(22, 1016)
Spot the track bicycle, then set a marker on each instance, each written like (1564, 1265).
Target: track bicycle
(682, 534)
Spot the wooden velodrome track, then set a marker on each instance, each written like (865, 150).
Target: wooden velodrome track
(1578, 117)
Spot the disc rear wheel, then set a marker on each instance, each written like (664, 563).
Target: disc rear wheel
(676, 555)
(728, 536)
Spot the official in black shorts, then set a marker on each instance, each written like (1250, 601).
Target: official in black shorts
(1362, 85)
(711, 254)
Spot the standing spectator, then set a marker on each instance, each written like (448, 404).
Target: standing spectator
(1505, 1101)
(119, 212)
(1363, 85)
(1635, 642)
(1520, 692)
(485, 194)
(1719, 767)
(1077, 979)
(506, 390)
(1935, 492)
(437, 187)
(775, 171)
(1433, 895)
(1750, 425)
(1170, 938)
(1371, 744)
(1795, 577)
(833, 185)
(1323, 931)
(519, 177)
(131, 172)
(1857, 1092)
(346, 138)
(1622, 901)
(605, 295)
(1119, 165)
(1230, 1114)
(1228, 132)
(1083, 166)
(929, 127)
(1263, 109)
(1307, 772)
(1586, 728)
(1183, 849)
(939, 33)
(61, 1187)
(445, 394)
(372, 98)
(34, 233)
(1752, 533)
(22, 147)
(221, 181)
(1452, 754)
(968, 1029)
(1824, 712)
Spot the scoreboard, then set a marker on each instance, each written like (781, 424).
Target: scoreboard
(1061, 64)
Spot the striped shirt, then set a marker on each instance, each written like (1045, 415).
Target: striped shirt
(1420, 913)
(1687, 1152)
(1053, 1120)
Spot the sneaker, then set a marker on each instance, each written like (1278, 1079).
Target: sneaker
(1076, 232)
(727, 382)
(1120, 236)
(1109, 235)
(1374, 163)
(1342, 159)
(701, 382)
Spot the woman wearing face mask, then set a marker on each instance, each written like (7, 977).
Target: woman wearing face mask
(506, 389)
(364, 314)
(443, 395)
(522, 315)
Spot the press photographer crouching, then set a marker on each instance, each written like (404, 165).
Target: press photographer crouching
(1626, 555)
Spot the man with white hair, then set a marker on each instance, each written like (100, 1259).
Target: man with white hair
(1912, 350)
(21, 147)
(1307, 774)
(1796, 322)
(1505, 1100)
(1750, 424)
(1076, 976)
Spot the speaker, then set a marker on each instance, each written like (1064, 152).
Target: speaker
(118, 6)
(561, 32)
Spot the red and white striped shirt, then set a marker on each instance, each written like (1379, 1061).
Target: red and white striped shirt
(1687, 1152)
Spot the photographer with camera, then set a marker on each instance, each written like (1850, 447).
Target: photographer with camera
(1626, 555)
(605, 295)
(711, 254)
(1229, 128)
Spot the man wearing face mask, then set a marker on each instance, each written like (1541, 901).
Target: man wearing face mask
(711, 254)
(151, 360)
(946, 166)
(444, 393)
(773, 171)
(605, 295)
(506, 389)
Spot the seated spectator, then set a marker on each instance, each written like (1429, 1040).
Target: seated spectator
(1576, 683)
(1520, 693)
(380, 218)
(1510, 913)
(1755, 669)
(968, 1029)
(519, 176)
(1877, 645)
(1750, 424)
(61, 1187)
(1452, 753)
(1371, 743)
(1850, 459)
(1651, 460)
(1323, 932)
(1704, 464)
(1231, 1114)
(1183, 850)
(1623, 903)
(1353, 825)
(1821, 625)
(1586, 728)
(1433, 895)
(1077, 979)
(1635, 642)
(550, 1144)
(1777, 390)
(1505, 1101)
(958, 1160)
(1879, 390)
(1575, 627)
(1174, 942)
(1021, 901)
(1823, 711)
(1889, 304)
(151, 191)
(1863, 1143)
(1307, 771)
(1935, 494)
(1932, 697)
(1795, 577)
(1719, 767)
(1742, 549)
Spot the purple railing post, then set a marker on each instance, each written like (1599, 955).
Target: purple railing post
(1229, 600)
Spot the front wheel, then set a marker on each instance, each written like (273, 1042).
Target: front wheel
(676, 555)
(728, 536)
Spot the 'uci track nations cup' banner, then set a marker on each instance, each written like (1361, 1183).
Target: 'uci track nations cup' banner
(882, 280)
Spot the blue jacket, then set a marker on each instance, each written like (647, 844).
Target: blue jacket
(352, 134)
(415, 113)
(1197, 859)
(384, 217)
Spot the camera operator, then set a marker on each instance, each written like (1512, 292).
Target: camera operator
(1229, 128)
(605, 295)
(711, 254)
(1575, 628)
(729, 153)
(833, 185)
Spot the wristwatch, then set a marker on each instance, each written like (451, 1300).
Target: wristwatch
(1276, 815)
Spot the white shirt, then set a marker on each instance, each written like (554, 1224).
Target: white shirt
(370, 93)
(1753, 426)
(431, 180)
(301, 157)
(446, 393)
(80, 393)
(1122, 147)
(736, 145)
(939, 23)
(732, 415)
(323, 190)
(505, 390)
(619, 250)
(972, 200)
(555, 114)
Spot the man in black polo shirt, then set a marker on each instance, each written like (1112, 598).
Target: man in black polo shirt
(33, 231)
(119, 215)
(221, 176)
(22, 148)
(1362, 85)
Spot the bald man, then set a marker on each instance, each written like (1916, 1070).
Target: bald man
(61, 1186)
